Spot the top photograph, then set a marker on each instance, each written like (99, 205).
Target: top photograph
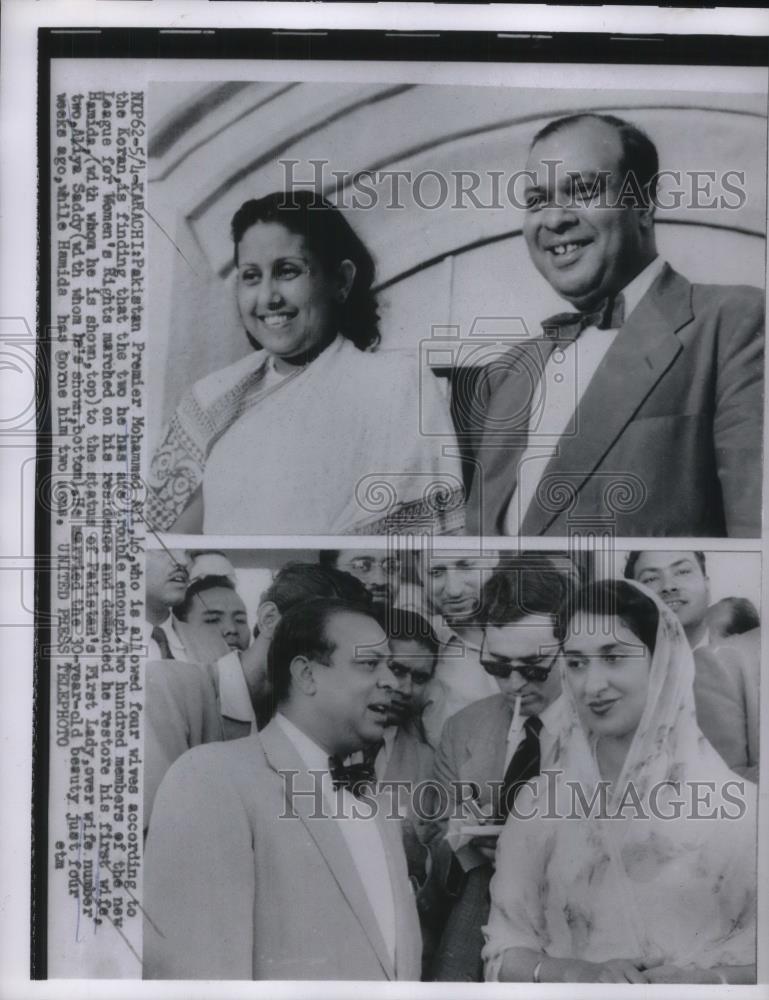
(381, 308)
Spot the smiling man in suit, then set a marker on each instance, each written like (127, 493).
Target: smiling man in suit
(257, 866)
(645, 406)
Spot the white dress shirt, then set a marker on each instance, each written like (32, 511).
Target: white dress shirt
(234, 699)
(361, 835)
(551, 723)
(174, 642)
(385, 752)
(559, 394)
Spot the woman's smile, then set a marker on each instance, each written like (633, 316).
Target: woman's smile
(277, 321)
(285, 299)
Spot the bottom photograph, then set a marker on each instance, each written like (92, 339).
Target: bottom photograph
(451, 765)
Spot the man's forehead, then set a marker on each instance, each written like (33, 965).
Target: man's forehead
(467, 560)
(584, 147)
(648, 561)
(220, 599)
(529, 636)
(410, 649)
(348, 555)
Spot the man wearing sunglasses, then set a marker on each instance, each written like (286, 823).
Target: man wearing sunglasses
(489, 749)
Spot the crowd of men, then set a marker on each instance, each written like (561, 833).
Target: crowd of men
(436, 670)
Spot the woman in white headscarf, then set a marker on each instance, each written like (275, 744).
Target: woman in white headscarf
(656, 880)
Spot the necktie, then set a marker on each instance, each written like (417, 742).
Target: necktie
(524, 765)
(356, 778)
(610, 315)
(162, 640)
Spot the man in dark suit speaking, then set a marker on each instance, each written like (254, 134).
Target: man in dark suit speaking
(261, 862)
(644, 408)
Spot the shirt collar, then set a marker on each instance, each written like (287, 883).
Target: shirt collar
(234, 699)
(315, 758)
(704, 641)
(635, 290)
(446, 634)
(176, 644)
(549, 719)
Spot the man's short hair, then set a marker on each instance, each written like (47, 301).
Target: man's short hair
(633, 558)
(523, 585)
(296, 582)
(639, 154)
(399, 623)
(302, 631)
(329, 557)
(743, 616)
(199, 586)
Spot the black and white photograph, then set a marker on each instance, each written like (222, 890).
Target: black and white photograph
(521, 752)
(386, 306)
(382, 411)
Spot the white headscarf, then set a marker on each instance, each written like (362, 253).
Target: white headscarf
(680, 889)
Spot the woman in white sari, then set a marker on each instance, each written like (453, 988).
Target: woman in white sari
(656, 881)
(316, 431)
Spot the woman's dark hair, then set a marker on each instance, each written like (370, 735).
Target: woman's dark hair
(635, 610)
(330, 237)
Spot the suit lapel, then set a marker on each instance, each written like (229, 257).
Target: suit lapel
(281, 756)
(506, 427)
(487, 755)
(641, 353)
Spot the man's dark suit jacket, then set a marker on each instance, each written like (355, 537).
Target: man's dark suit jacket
(667, 437)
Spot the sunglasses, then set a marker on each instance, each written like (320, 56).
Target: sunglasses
(533, 670)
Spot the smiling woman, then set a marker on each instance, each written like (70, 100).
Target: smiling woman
(314, 432)
(613, 897)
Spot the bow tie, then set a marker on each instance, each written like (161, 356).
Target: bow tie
(610, 315)
(356, 778)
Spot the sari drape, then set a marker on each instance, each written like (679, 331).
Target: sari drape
(353, 443)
